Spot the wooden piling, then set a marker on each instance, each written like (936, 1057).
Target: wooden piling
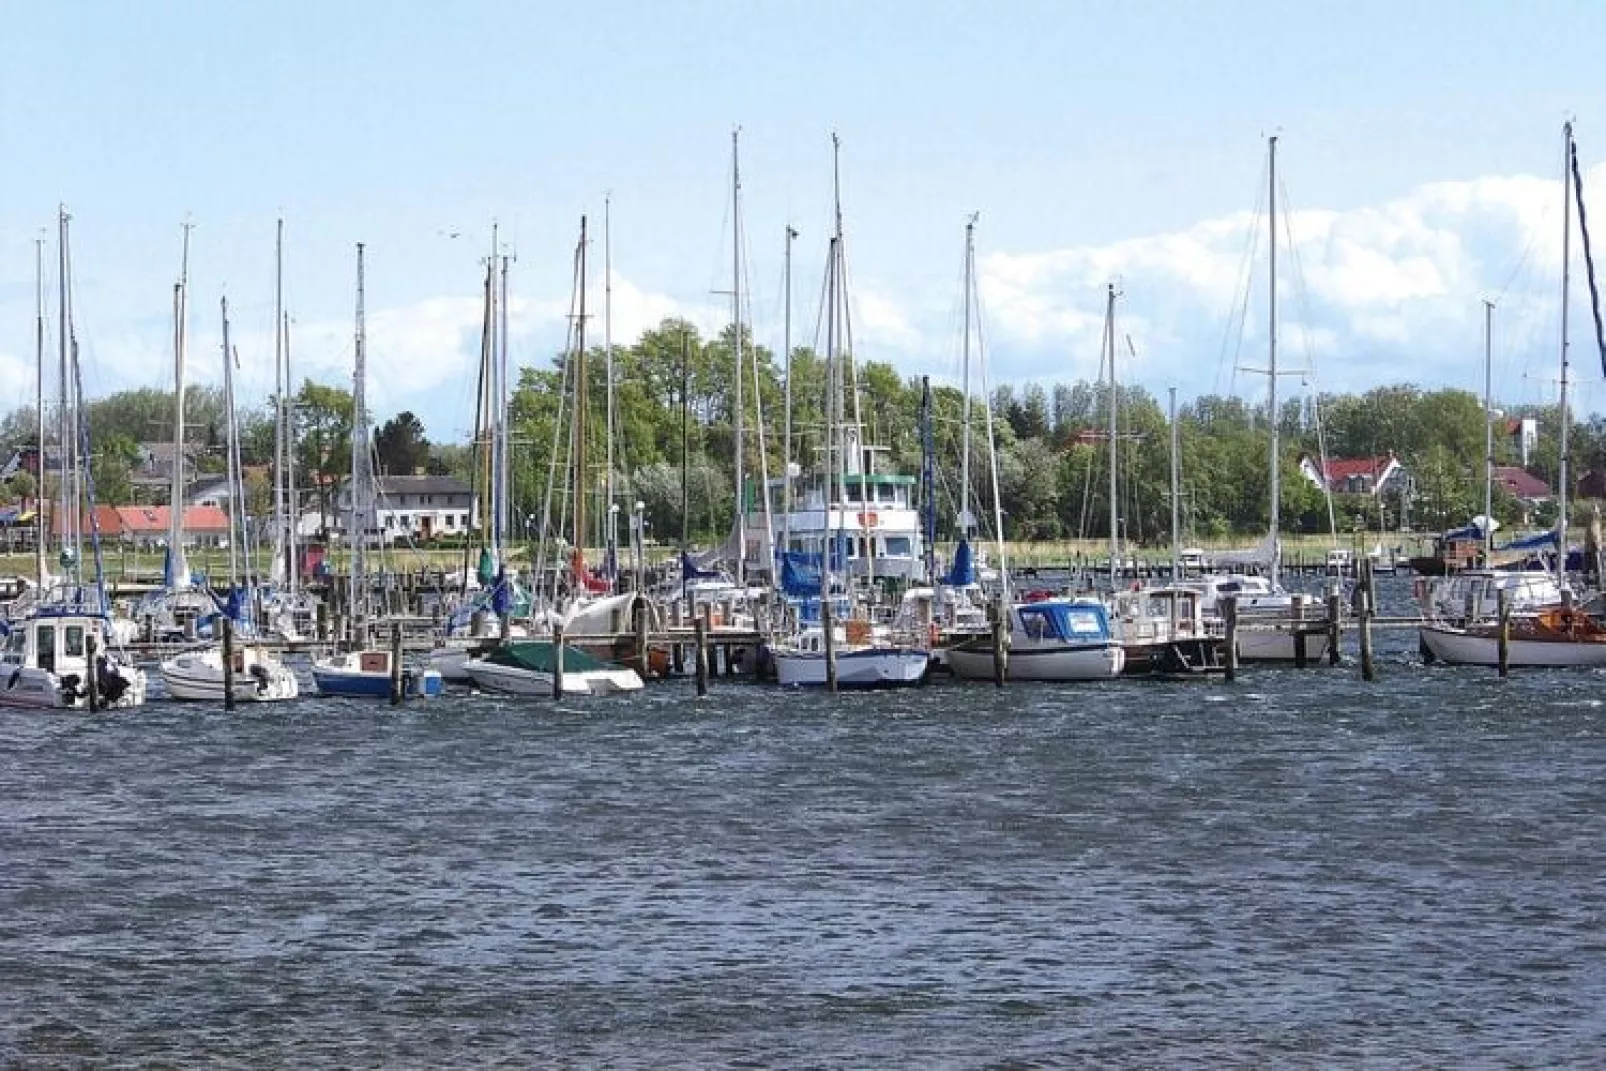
(92, 678)
(829, 628)
(395, 665)
(1000, 643)
(1301, 657)
(700, 631)
(1367, 598)
(642, 621)
(557, 660)
(1335, 632)
(1229, 618)
(1504, 647)
(228, 662)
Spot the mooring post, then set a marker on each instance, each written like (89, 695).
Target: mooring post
(323, 621)
(557, 660)
(228, 662)
(1505, 635)
(1301, 658)
(1335, 628)
(1000, 643)
(828, 626)
(1368, 606)
(643, 619)
(1229, 618)
(92, 677)
(699, 627)
(395, 664)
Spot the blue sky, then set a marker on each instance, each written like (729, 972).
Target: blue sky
(1420, 144)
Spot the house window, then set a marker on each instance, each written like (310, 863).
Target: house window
(451, 520)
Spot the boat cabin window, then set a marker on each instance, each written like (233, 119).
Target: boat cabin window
(899, 547)
(46, 648)
(74, 637)
(17, 642)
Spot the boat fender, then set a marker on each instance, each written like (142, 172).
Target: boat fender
(1419, 589)
(16, 674)
(933, 635)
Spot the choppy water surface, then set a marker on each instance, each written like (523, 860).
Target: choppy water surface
(1295, 870)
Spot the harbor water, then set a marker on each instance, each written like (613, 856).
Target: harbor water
(1295, 870)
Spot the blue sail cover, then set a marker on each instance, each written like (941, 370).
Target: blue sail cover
(962, 573)
(800, 574)
(689, 570)
(1537, 541)
(502, 594)
(169, 579)
(234, 607)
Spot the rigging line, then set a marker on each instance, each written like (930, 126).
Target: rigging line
(1232, 333)
(1589, 259)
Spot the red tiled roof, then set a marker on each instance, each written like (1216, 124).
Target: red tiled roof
(1520, 482)
(1342, 468)
(152, 520)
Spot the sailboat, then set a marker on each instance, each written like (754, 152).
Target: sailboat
(1553, 633)
(257, 675)
(1263, 596)
(63, 654)
(821, 652)
(366, 671)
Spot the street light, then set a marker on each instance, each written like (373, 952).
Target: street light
(639, 543)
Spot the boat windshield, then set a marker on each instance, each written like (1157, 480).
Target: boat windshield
(1064, 621)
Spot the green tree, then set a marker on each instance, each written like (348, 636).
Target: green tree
(401, 445)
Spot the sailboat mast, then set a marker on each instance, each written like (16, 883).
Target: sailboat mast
(736, 335)
(1176, 509)
(39, 415)
(284, 485)
(786, 449)
(1115, 511)
(1271, 378)
(966, 519)
(1488, 426)
(358, 533)
(579, 449)
(175, 519)
(1566, 286)
(612, 554)
(230, 458)
(504, 430)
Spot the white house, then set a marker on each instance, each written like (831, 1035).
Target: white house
(418, 508)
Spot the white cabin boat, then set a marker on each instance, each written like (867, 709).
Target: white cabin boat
(867, 663)
(46, 664)
(259, 676)
(1052, 640)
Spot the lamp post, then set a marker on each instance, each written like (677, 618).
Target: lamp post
(638, 530)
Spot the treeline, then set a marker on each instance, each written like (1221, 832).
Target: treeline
(674, 421)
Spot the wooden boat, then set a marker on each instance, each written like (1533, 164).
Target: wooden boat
(1552, 637)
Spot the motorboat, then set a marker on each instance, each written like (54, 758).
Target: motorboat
(1050, 640)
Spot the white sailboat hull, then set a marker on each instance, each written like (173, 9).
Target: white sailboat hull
(1458, 647)
(1045, 662)
(258, 677)
(1279, 646)
(515, 680)
(865, 667)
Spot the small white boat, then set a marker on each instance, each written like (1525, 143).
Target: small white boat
(800, 662)
(1052, 640)
(259, 677)
(367, 674)
(525, 667)
(45, 664)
